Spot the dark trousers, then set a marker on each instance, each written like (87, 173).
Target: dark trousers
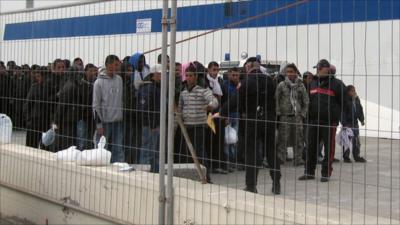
(131, 149)
(35, 128)
(197, 135)
(216, 145)
(65, 136)
(317, 134)
(356, 145)
(179, 147)
(254, 137)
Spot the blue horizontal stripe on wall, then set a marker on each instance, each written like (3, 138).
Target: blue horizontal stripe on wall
(206, 17)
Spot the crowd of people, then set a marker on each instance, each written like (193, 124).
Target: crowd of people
(121, 101)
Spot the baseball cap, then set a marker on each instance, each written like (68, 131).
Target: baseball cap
(322, 63)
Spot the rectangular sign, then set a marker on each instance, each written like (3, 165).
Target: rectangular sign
(143, 25)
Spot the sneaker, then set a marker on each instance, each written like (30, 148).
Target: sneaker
(251, 189)
(231, 169)
(347, 160)
(276, 188)
(324, 179)
(307, 177)
(360, 160)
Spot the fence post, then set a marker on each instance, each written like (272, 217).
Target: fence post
(163, 117)
(171, 114)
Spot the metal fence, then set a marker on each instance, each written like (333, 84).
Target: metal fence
(258, 112)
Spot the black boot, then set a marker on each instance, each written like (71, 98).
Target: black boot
(360, 159)
(251, 189)
(276, 187)
(346, 159)
(307, 177)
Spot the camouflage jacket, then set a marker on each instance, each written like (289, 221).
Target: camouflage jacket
(298, 106)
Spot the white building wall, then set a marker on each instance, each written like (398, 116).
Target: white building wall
(366, 54)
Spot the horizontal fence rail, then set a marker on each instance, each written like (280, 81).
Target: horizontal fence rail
(256, 112)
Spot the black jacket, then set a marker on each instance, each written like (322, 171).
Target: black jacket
(354, 113)
(327, 100)
(20, 87)
(86, 99)
(149, 104)
(5, 92)
(230, 99)
(36, 108)
(257, 96)
(67, 111)
(129, 100)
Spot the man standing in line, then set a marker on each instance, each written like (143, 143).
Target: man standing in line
(327, 102)
(194, 103)
(215, 84)
(257, 126)
(107, 105)
(291, 108)
(149, 97)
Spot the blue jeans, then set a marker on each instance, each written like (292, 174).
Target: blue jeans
(115, 137)
(149, 153)
(81, 134)
(231, 150)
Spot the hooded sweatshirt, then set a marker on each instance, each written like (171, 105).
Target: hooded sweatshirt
(107, 98)
(137, 76)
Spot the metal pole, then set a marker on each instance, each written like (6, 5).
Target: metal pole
(163, 113)
(171, 115)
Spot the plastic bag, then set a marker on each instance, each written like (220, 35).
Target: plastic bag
(5, 129)
(68, 155)
(95, 157)
(49, 136)
(230, 135)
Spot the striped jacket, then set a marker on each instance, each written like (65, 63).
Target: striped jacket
(192, 104)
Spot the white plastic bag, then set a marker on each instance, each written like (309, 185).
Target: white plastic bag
(95, 157)
(5, 129)
(230, 135)
(49, 136)
(68, 155)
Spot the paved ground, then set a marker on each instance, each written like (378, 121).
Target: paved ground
(369, 189)
(372, 188)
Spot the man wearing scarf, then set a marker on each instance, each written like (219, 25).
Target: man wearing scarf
(291, 106)
(215, 84)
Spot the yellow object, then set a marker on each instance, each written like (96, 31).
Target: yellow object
(210, 122)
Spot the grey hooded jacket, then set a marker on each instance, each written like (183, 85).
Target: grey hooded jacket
(107, 98)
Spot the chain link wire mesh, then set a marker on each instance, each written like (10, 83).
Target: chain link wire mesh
(291, 108)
